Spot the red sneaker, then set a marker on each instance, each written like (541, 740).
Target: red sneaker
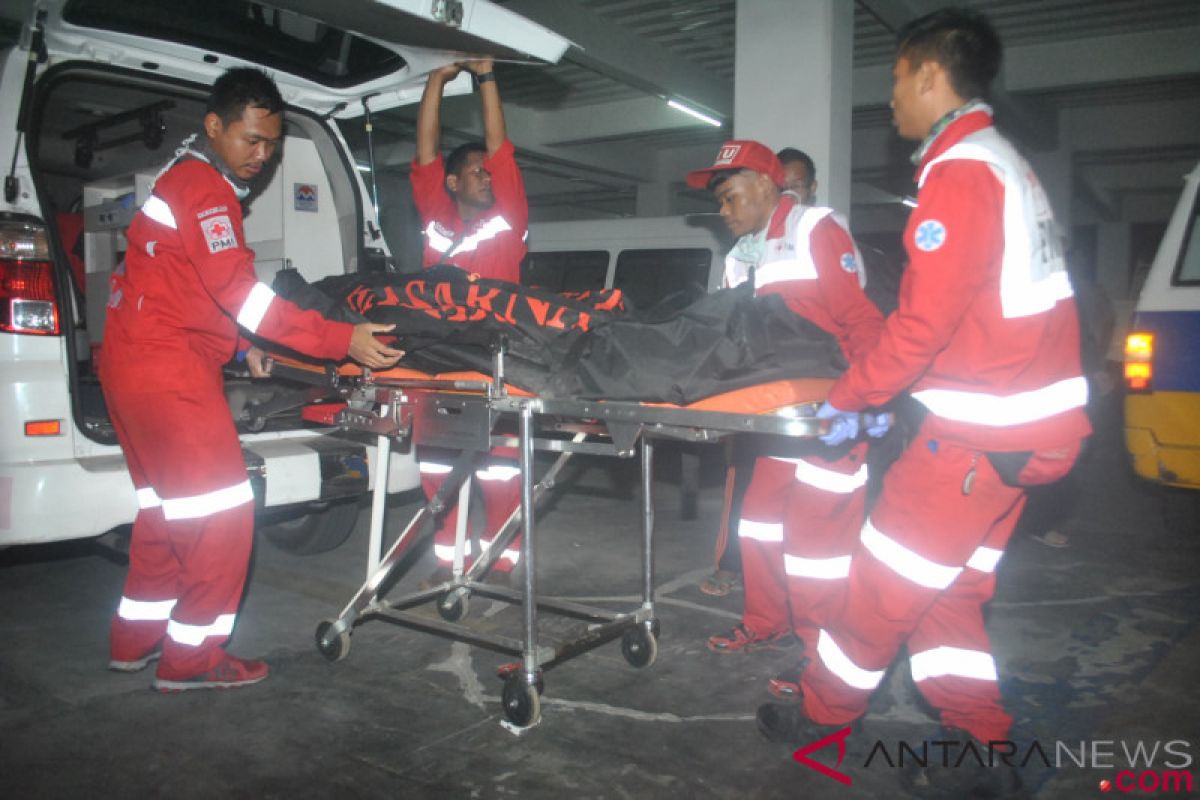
(786, 685)
(230, 673)
(743, 640)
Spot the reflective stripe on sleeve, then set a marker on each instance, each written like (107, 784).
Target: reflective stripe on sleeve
(762, 531)
(828, 480)
(157, 209)
(955, 661)
(1016, 409)
(985, 559)
(822, 568)
(195, 635)
(145, 610)
(435, 468)
(840, 664)
(254, 308)
(435, 239)
(148, 498)
(203, 505)
(905, 562)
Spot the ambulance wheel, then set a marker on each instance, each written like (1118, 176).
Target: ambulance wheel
(335, 649)
(522, 706)
(454, 605)
(313, 527)
(639, 646)
(251, 421)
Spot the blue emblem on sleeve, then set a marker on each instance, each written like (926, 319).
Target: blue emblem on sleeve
(930, 235)
(849, 263)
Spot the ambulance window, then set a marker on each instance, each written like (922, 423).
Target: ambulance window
(566, 271)
(648, 276)
(1188, 269)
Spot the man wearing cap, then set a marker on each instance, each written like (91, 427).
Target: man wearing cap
(803, 507)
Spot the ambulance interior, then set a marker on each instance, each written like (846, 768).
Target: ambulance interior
(99, 139)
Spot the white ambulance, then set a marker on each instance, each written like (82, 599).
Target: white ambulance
(95, 96)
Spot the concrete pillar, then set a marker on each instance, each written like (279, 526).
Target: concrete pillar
(792, 84)
(1113, 270)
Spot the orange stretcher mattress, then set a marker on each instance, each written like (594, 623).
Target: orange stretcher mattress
(758, 399)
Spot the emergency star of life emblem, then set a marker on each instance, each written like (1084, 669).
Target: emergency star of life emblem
(930, 235)
(218, 233)
(848, 262)
(838, 737)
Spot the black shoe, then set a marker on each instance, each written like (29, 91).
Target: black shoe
(965, 778)
(786, 723)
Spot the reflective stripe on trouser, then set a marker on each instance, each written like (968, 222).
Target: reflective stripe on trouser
(497, 479)
(798, 516)
(184, 457)
(922, 571)
(823, 517)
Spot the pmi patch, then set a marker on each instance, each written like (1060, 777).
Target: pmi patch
(849, 262)
(929, 235)
(218, 234)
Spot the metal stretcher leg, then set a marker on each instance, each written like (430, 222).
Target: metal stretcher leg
(333, 636)
(520, 697)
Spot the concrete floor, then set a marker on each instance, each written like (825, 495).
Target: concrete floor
(1097, 642)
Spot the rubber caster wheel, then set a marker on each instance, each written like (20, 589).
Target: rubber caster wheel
(639, 646)
(454, 605)
(335, 649)
(522, 706)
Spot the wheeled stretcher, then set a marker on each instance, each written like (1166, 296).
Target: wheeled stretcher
(465, 411)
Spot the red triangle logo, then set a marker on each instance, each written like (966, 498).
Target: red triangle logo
(839, 737)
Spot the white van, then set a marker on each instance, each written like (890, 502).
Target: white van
(648, 258)
(95, 96)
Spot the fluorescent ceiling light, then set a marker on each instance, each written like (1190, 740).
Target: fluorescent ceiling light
(363, 167)
(678, 106)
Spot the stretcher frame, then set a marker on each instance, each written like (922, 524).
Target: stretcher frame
(463, 415)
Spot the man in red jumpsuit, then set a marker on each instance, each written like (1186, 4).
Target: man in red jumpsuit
(475, 217)
(185, 289)
(986, 339)
(803, 506)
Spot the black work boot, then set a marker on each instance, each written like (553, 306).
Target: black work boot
(959, 775)
(786, 723)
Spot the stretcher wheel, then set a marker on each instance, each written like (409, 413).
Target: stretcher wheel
(522, 706)
(454, 605)
(338, 648)
(639, 646)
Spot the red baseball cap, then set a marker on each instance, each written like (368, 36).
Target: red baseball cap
(740, 154)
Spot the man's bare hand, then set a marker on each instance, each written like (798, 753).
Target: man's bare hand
(369, 351)
(481, 66)
(259, 362)
(447, 73)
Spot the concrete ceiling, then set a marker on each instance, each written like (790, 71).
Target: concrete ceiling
(1111, 85)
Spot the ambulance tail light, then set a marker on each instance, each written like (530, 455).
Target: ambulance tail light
(28, 299)
(1139, 361)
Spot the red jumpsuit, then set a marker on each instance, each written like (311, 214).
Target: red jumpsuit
(186, 285)
(491, 246)
(800, 514)
(986, 337)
